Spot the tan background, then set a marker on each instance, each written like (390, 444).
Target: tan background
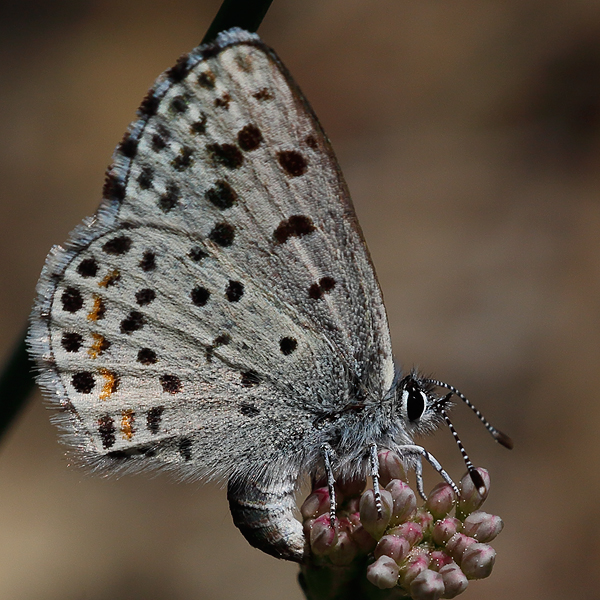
(468, 131)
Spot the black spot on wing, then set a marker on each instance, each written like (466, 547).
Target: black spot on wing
(169, 199)
(153, 418)
(145, 178)
(117, 245)
(287, 345)
(184, 159)
(197, 254)
(292, 162)
(133, 322)
(249, 410)
(71, 299)
(128, 146)
(200, 295)
(249, 137)
(113, 188)
(83, 382)
(226, 155)
(71, 341)
(221, 195)
(88, 267)
(234, 291)
(146, 356)
(295, 226)
(106, 429)
(148, 262)
(170, 383)
(145, 296)
(179, 71)
(222, 234)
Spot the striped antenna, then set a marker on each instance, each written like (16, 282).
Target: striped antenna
(500, 437)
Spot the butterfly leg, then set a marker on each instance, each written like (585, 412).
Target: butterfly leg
(264, 513)
(420, 453)
(419, 475)
(327, 456)
(374, 460)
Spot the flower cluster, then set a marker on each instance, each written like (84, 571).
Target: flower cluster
(423, 550)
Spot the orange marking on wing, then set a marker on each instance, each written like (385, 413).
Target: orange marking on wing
(111, 384)
(98, 309)
(110, 279)
(127, 424)
(99, 346)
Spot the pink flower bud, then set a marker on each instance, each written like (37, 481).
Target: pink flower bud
(390, 467)
(478, 561)
(317, 503)
(322, 535)
(470, 497)
(439, 559)
(345, 549)
(362, 538)
(455, 582)
(383, 573)
(412, 532)
(405, 501)
(482, 526)
(393, 546)
(443, 530)
(440, 501)
(457, 545)
(424, 518)
(416, 563)
(369, 516)
(427, 585)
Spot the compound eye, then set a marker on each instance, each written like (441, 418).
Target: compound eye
(415, 402)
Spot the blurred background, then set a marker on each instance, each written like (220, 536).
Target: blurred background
(469, 133)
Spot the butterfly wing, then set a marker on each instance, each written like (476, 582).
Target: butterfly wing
(222, 297)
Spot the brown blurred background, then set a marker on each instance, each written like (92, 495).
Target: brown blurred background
(469, 133)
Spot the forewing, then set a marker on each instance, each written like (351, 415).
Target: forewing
(223, 296)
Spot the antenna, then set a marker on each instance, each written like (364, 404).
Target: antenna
(475, 476)
(500, 437)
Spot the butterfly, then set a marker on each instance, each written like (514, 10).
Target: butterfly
(219, 316)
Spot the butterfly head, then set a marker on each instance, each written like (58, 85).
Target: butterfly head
(421, 409)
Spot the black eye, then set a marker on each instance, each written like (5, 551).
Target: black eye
(415, 403)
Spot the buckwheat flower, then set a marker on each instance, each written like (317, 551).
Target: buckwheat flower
(427, 585)
(478, 561)
(439, 559)
(393, 546)
(383, 573)
(316, 504)
(440, 501)
(454, 579)
(344, 548)
(457, 545)
(416, 562)
(482, 526)
(362, 538)
(372, 521)
(405, 501)
(390, 467)
(322, 535)
(423, 518)
(470, 497)
(412, 532)
(443, 530)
